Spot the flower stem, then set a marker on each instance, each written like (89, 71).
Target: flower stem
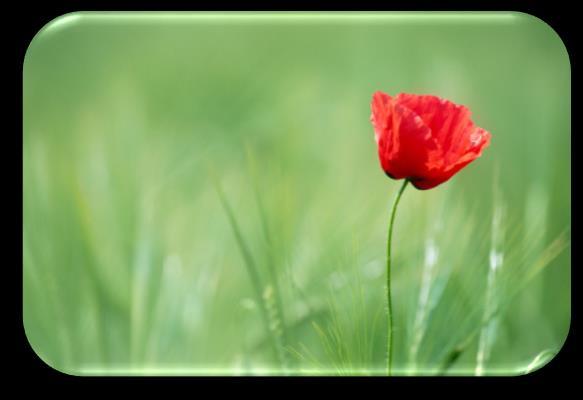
(389, 302)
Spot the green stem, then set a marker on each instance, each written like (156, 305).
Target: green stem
(389, 302)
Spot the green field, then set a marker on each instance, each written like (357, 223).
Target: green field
(202, 195)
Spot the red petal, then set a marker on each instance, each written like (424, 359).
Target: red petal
(380, 112)
(481, 140)
(448, 121)
(405, 145)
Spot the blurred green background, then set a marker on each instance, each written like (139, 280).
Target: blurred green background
(135, 124)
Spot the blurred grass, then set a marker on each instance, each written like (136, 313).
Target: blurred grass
(130, 262)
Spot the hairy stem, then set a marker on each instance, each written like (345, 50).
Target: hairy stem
(389, 300)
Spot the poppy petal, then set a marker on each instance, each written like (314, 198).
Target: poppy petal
(380, 113)
(407, 148)
(424, 138)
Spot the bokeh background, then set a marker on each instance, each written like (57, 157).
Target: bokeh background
(202, 195)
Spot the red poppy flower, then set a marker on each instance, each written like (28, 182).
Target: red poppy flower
(425, 139)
